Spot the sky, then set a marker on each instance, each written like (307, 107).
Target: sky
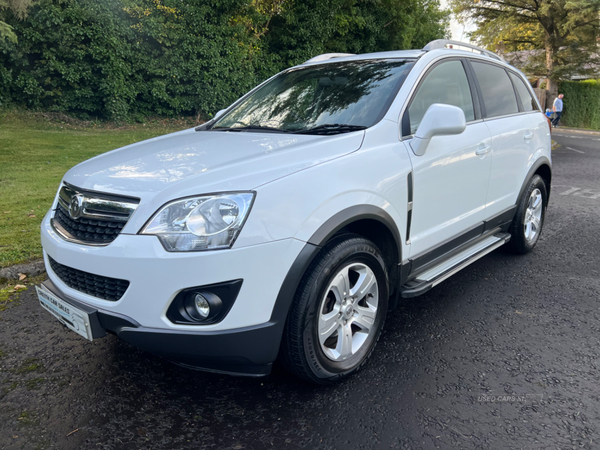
(459, 32)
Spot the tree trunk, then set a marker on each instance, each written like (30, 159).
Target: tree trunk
(552, 85)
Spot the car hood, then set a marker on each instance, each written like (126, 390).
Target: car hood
(197, 162)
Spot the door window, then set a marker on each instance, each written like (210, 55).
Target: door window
(445, 83)
(497, 90)
(526, 98)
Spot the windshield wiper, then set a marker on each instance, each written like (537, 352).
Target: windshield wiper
(331, 128)
(250, 128)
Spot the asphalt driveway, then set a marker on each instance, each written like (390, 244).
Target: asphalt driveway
(504, 354)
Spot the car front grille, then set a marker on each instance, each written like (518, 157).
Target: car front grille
(87, 230)
(89, 217)
(105, 288)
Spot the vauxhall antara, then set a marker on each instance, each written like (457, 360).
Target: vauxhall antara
(292, 222)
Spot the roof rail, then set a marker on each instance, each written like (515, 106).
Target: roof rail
(327, 56)
(442, 43)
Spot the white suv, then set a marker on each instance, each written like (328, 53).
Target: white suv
(292, 222)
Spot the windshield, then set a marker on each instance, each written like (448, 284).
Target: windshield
(334, 97)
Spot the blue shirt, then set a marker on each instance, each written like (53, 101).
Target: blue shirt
(558, 103)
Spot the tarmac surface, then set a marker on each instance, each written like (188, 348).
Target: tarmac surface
(503, 355)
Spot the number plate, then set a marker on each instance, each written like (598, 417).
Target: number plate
(72, 317)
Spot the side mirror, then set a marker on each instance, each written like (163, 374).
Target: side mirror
(439, 120)
(219, 114)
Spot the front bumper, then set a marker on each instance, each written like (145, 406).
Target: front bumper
(248, 351)
(246, 341)
(157, 276)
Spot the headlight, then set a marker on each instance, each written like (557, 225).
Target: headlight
(200, 223)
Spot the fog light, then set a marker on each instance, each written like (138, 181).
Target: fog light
(202, 306)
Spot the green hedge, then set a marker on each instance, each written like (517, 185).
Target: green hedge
(125, 59)
(102, 58)
(581, 104)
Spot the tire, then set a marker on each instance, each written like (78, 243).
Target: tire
(528, 222)
(347, 335)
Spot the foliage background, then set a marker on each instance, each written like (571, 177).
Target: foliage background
(566, 32)
(581, 104)
(126, 59)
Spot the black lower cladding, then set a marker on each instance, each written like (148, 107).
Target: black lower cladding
(105, 288)
(246, 351)
(87, 230)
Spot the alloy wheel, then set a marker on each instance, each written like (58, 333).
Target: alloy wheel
(532, 222)
(348, 311)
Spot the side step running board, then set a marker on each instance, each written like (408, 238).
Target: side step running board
(435, 275)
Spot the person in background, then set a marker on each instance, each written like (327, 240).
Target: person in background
(557, 107)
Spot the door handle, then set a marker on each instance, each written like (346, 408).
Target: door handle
(527, 136)
(483, 150)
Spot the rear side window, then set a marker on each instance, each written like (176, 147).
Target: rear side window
(526, 99)
(497, 90)
(445, 83)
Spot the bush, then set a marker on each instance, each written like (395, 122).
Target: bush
(99, 58)
(581, 103)
(125, 59)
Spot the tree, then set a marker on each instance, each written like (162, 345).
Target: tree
(565, 30)
(309, 27)
(18, 8)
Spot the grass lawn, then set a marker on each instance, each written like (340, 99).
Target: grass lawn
(35, 152)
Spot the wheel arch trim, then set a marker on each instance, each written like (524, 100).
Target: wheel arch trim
(540, 162)
(319, 238)
(353, 214)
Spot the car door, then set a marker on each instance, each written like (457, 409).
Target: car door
(512, 130)
(450, 180)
